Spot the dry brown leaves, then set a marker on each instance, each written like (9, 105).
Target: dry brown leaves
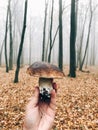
(77, 100)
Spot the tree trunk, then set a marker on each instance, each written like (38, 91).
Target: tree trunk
(1, 51)
(14, 45)
(44, 32)
(81, 41)
(52, 42)
(76, 17)
(72, 72)
(11, 40)
(51, 25)
(76, 22)
(87, 43)
(21, 43)
(5, 39)
(22, 58)
(60, 60)
(89, 31)
(93, 47)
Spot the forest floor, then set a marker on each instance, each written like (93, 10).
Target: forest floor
(77, 100)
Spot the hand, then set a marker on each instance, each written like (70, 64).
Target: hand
(40, 115)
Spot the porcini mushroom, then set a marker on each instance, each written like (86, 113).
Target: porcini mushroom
(46, 73)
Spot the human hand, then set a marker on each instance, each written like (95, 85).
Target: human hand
(40, 115)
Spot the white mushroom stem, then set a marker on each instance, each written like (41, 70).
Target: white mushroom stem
(45, 86)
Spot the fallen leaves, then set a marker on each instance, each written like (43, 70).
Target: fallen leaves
(77, 101)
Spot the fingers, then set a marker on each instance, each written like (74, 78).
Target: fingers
(53, 100)
(54, 87)
(52, 106)
(53, 97)
(35, 98)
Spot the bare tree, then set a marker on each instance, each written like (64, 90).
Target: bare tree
(76, 16)
(51, 26)
(21, 43)
(5, 39)
(14, 41)
(93, 47)
(60, 58)
(44, 31)
(89, 31)
(1, 51)
(79, 55)
(72, 72)
(11, 39)
(53, 39)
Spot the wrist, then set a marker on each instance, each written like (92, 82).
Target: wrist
(24, 128)
(28, 129)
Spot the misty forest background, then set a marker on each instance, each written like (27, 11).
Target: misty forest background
(65, 34)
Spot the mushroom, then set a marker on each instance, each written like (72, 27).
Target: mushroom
(46, 73)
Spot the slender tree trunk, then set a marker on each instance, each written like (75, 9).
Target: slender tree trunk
(76, 21)
(60, 60)
(87, 43)
(86, 58)
(5, 39)
(11, 40)
(44, 32)
(54, 37)
(46, 52)
(51, 25)
(81, 41)
(14, 41)
(89, 31)
(76, 17)
(1, 51)
(93, 49)
(72, 72)
(52, 42)
(22, 58)
(21, 43)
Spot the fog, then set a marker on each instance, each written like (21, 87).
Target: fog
(34, 28)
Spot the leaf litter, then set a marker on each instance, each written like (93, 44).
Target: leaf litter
(77, 100)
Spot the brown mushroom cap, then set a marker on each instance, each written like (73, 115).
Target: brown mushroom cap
(44, 70)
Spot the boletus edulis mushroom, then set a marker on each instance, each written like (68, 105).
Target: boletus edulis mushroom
(46, 73)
